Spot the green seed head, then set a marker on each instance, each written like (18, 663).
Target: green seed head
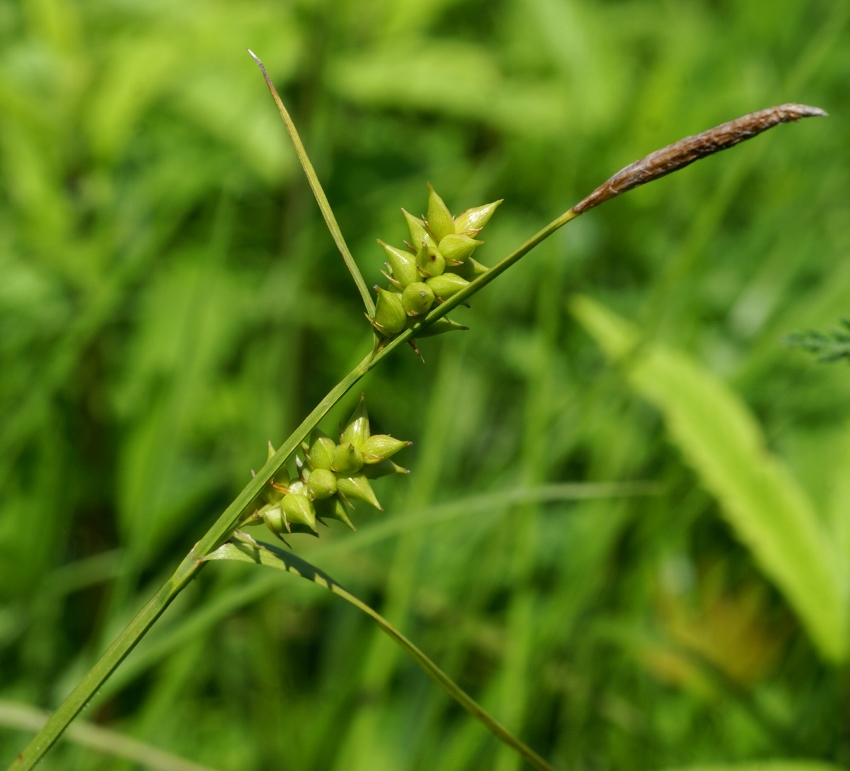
(321, 451)
(418, 234)
(274, 519)
(457, 248)
(446, 285)
(429, 261)
(333, 508)
(472, 220)
(380, 446)
(273, 494)
(282, 476)
(469, 269)
(347, 459)
(417, 298)
(357, 487)
(403, 264)
(357, 430)
(390, 317)
(321, 484)
(440, 221)
(298, 510)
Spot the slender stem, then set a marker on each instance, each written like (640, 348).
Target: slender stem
(187, 569)
(107, 663)
(274, 557)
(241, 506)
(318, 192)
(449, 685)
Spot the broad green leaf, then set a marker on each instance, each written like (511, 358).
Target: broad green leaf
(760, 498)
(264, 554)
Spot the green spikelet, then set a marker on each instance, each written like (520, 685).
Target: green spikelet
(273, 516)
(347, 459)
(457, 248)
(298, 510)
(439, 218)
(357, 429)
(330, 476)
(429, 261)
(418, 298)
(358, 487)
(472, 220)
(418, 233)
(446, 285)
(390, 318)
(333, 508)
(438, 266)
(321, 484)
(403, 264)
(381, 446)
(321, 450)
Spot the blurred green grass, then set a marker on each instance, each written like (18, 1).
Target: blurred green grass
(170, 300)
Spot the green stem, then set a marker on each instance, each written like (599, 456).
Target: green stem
(107, 663)
(214, 537)
(235, 513)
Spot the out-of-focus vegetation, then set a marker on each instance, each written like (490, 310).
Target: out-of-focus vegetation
(170, 300)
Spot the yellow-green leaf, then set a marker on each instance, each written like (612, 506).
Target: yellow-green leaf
(760, 498)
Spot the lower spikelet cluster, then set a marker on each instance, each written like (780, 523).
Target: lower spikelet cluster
(438, 265)
(328, 478)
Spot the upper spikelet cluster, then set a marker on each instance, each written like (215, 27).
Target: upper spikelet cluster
(437, 264)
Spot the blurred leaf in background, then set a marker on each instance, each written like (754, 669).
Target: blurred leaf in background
(170, 300)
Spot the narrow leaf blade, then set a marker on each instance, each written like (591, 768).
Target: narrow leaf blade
(318, 191)
(282, 560)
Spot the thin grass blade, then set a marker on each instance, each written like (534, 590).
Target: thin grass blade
(318, 192)
(283, 560)
(85, 734)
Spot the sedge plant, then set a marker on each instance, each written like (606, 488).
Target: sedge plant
(426, 280)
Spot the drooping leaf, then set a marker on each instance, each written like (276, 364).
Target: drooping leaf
(264, 554)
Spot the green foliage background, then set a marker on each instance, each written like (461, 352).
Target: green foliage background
(170, 300)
